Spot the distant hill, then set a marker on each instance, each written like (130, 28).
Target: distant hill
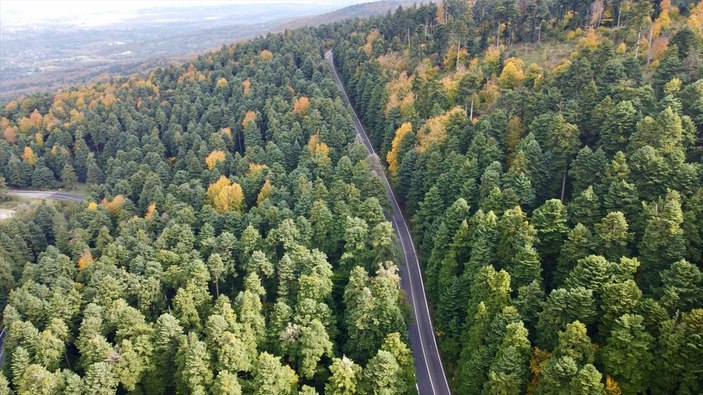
(364, 10)
(58, 56)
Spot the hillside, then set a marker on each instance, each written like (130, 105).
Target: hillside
(551, 159)
(235, 237)
(363, 10)
(53, 56)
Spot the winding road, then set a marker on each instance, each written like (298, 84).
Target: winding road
(431, 379)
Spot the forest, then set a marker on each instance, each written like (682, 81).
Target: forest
(550, 156)
(233, 237)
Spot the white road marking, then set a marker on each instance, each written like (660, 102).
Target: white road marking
(369, 146)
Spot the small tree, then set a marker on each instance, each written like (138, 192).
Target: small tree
(3, 189)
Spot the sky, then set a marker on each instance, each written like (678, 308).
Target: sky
(26, 13)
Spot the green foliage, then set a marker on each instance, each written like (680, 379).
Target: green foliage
(628, 353)
(568, 199)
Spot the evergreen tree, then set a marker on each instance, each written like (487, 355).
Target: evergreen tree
(68, 176)
(627, 354)
(345, 377)
(663, 242)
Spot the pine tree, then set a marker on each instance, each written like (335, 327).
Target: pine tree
(587, 381)
(682, 286)
(585, 208)
(510, 366)
(226, 383)
(490, 293)
(612, 236)
(515, 248)
(345, 377)
(579, 244)
(380, 376)
(679, 355)
(617, 299)
(663, 242)
(627, 354)
(272, 378)
(618, 123)
(99, 379)
(406, 364)
(549, 221)
(570, 369)
(68, 176)
(588, 169)
(562, 307)
(193, 361)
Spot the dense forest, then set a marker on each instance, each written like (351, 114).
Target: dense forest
(550, 156)
(233, 236)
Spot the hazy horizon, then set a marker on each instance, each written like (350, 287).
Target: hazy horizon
(33, 14)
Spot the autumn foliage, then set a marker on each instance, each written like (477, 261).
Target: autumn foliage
(221, 83)
(29, 156)
(115, 205)
(435, 130)
(226, 195)
(318, 147)
(392, 156)
(266, 55)
(250, 116)
(301, 105)
(215, 157)
(10, 134)
(246, 87)
(150, 212)
(512, 74)
(265, 192)
(85, 260)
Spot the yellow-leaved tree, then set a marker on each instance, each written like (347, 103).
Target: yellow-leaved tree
(150, 212)
(590, 39)
(29, 156)
(512, 74)
(370, 38)
(695, 18)
(300, 105)
(318, 147)
(114, 206)
(246, 87)
(266, 55)
(513, 136)
(435, 130)
(221, 83)
(226, 195)
(612, 387)
(250, 116)
(10, 134)
(392, 155)
(215, 157)
(85, 260)
(265, 192)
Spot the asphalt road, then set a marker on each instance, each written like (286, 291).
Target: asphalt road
(430, 375)
(54, 195)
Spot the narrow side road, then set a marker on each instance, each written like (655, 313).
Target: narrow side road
(54, 195)
(431, 379)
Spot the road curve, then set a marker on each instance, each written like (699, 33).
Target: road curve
(431, 379)
(53, 195)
